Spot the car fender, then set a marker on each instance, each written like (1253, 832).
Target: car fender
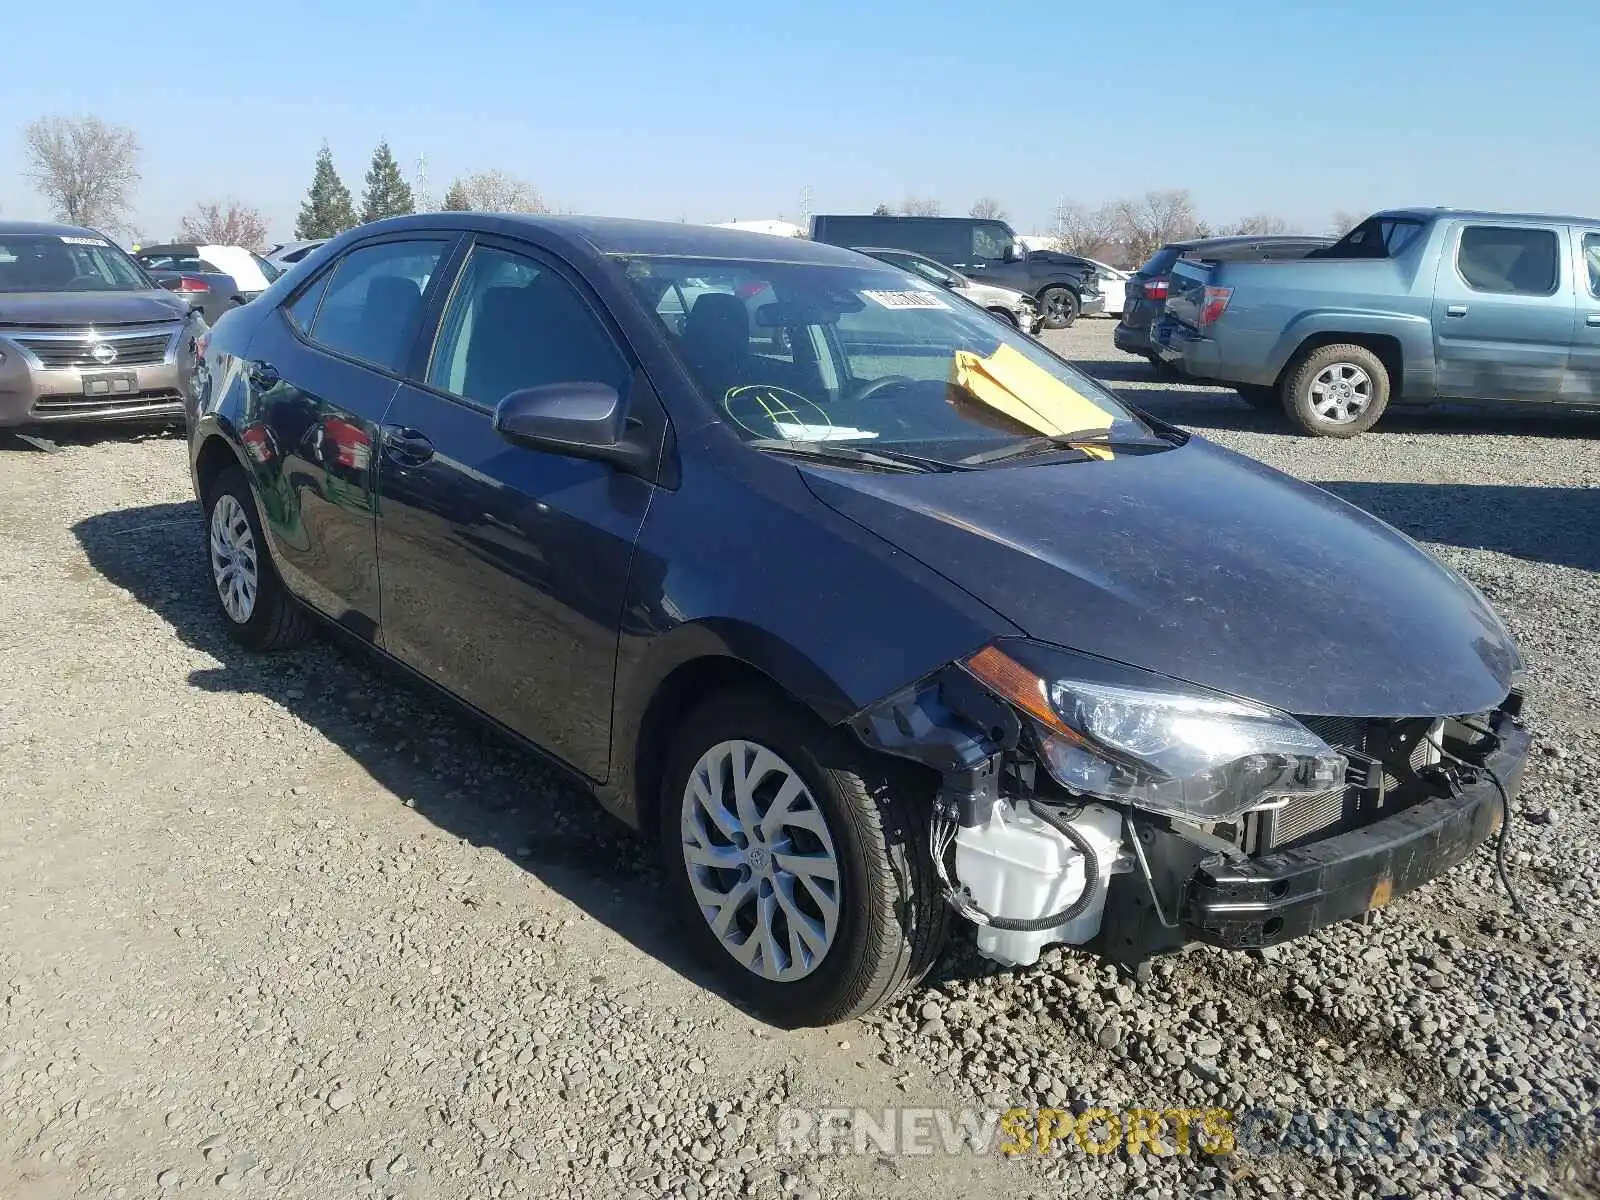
(1413, 332)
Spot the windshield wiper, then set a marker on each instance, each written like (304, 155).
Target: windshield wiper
(823, 451)
(1045, 443)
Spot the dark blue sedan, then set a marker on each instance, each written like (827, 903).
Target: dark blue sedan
(874, 610)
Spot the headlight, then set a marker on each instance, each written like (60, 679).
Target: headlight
(1135, 737)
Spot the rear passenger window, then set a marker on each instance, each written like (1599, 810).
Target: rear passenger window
(1516, 262)
(302, 310)
(1591, 260)
(372, 308)
(513, 323)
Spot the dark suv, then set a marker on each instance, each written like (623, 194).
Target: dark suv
(874, 611)
(1064, 285)
(1147, 287)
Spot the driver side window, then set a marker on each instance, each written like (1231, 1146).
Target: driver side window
(989, 242)
(513, 323)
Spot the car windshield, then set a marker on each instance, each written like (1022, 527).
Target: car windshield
(869, 356)
(50, 262)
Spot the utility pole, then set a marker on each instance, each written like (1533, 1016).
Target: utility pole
(419, 189)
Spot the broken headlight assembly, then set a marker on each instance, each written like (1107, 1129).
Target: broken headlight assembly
(1133, 737)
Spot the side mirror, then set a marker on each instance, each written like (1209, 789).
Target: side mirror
(579, 420)
(1011, 253)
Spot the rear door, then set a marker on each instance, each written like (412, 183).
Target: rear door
(1503, 311)
(322, 370)
(1583, 382)
(505, 568)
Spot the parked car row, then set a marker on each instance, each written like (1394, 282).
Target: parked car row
(1412, 306)
(985, 251)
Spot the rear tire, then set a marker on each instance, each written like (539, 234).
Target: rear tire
(1337, 391)
(1059, 307)
(814, 801)
(256, 608)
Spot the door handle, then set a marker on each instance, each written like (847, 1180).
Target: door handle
(1456, 310)
(263, 374)
(1592, 319)
(406, 445)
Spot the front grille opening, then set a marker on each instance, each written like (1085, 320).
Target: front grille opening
(132, 350)
(1386, 761)
(158, 400)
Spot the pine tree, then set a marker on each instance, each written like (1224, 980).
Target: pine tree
(327, 211)
(457, 199)
(387, 194)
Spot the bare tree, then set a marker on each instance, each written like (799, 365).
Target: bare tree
(1154, 219)
(1258, 223)
(921, 206)
(882, 211)
(87, 168)
(987, 208)
(1344, 221)
(1090, 232)
(495, 191)
(225, 223)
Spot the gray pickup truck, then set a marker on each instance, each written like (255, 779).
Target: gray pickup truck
(1411, 306)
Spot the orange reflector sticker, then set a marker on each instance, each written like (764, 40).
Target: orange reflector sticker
(1381, 894)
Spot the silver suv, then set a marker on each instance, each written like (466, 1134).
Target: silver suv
(85, 334)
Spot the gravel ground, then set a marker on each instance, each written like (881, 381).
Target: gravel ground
(289, 927)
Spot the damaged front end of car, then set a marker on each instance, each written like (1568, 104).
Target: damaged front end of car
(1087, 802)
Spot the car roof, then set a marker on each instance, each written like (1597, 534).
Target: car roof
(169, 248)
(50, 227)
(627, 236)
(1480, 214)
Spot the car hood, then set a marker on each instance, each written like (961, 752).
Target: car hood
(79, 309)
(1055, 258)
(1205, 566)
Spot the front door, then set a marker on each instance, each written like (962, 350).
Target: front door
(1502, 312)
(504, 568)
(321, 372)
(1583, 384)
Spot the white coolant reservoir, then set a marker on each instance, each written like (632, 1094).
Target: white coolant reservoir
(1017, 866)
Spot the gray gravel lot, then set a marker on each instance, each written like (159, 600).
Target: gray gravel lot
(290, 927)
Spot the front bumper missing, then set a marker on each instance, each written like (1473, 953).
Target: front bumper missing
(1246, 903)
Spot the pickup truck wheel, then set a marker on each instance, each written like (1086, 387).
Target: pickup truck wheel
(1059, 307)
(1259, 395)
(1337, 391)
(797, 860)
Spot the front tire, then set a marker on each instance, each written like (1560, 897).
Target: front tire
(256, 608)
(1337, 391)
(1006, 315)
(1059, 307)
(797, 861)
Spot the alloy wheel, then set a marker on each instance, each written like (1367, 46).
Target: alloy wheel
(761, 860)
(234, 565)
(1341, 392)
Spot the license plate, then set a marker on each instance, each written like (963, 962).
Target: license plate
(110, 383)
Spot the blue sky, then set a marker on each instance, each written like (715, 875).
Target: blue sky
(714, 111)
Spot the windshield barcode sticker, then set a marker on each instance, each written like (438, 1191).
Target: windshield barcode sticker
(905, 299)
(82, 241)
